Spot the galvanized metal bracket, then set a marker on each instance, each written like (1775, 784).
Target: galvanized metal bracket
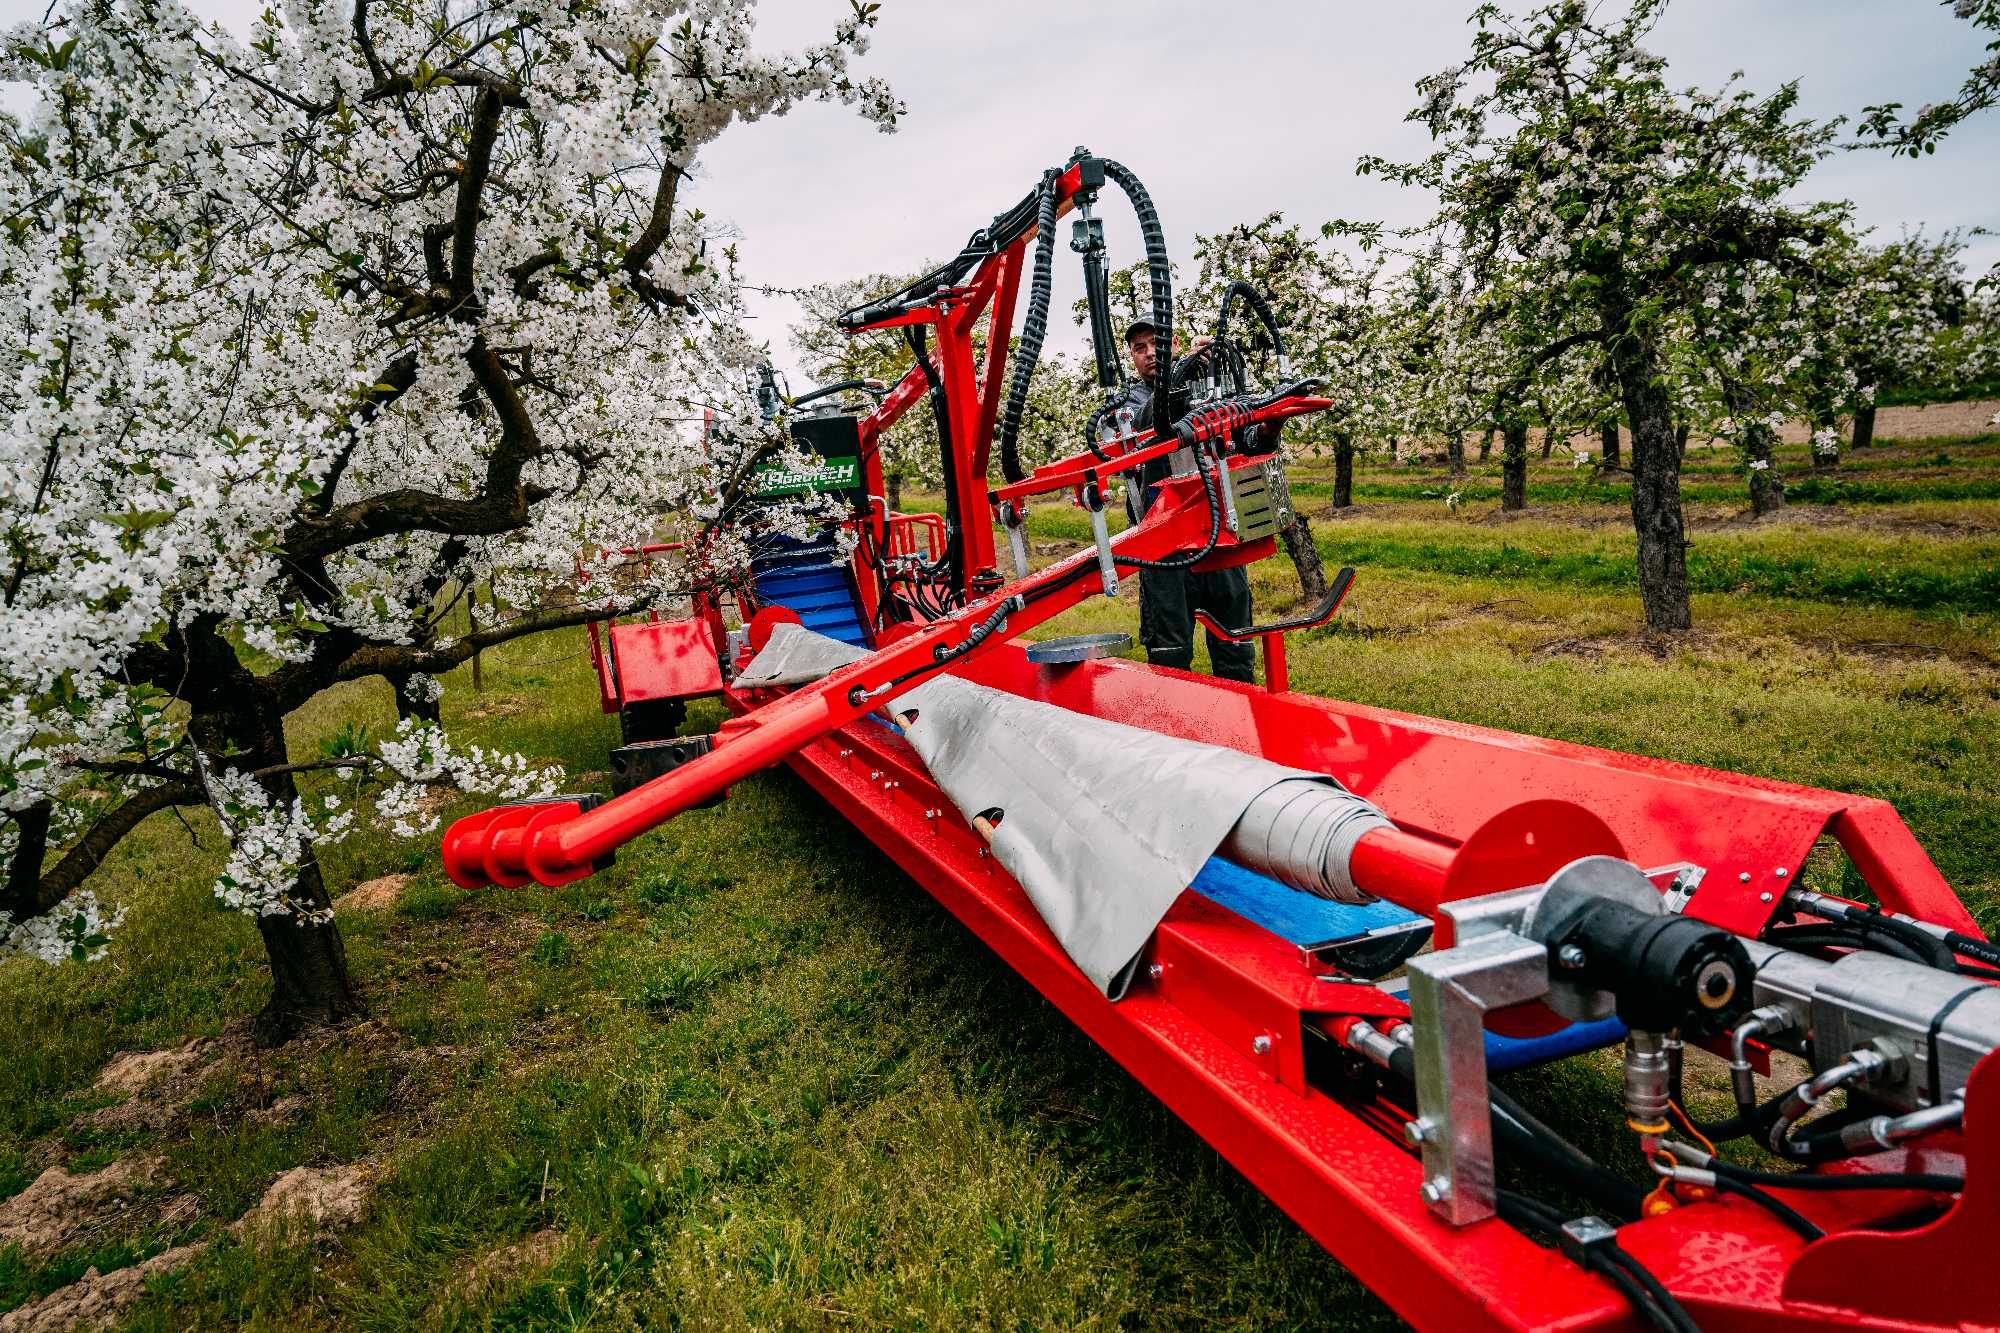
(1015, 523)
(1450, 993)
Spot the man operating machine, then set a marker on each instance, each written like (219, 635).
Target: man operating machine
(1168, 598)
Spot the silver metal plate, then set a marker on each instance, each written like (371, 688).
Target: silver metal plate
(1078, 648)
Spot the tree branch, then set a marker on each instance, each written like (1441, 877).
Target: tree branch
(90, 850)
(641, 251)
(394, 383)
(381, 659)
(486, 110)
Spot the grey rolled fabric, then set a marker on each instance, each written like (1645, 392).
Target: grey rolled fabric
(1103, 825)
(1302, 833)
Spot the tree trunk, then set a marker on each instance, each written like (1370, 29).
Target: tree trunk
(1548, 443)
(1864, 426)
(411, 705)
(1514, 466)
(1486, 445)
(1343, 470)
(1607, 434)
(1767, 492)
(1656, 478)
(1304, 551)
(1454, 451)
(21, 893)
(1825, 443)
(309, 981)
(894, 484)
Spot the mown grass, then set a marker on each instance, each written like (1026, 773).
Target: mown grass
(753, 1076)
(1888, 473)
(1910, 571)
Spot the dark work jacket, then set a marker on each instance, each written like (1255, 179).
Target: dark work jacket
(1139, 397)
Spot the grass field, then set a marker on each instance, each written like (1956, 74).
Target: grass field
(752, 1076)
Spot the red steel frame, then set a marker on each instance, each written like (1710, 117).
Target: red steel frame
(1217, 1023)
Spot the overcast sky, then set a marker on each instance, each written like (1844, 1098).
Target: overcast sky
(1234, 108)
(1231, 110)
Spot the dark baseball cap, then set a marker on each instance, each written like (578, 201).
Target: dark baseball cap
(1139, 326)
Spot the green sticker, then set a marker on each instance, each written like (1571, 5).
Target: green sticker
(829, 474)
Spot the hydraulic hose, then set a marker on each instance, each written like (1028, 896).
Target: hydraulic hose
(1859, 1066)
(1518, 1131)
(1032, 332)
(989, 239)
(941, 418)
(1255, 300)
(1159, 270)
(1648, 1296)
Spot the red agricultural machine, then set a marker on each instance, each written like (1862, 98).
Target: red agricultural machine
(1315, 929)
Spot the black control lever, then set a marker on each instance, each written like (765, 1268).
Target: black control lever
(1319, 615)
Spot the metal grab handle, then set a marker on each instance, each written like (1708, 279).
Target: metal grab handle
(1319, 615)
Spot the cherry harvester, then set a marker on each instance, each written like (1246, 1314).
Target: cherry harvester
(1315, 929)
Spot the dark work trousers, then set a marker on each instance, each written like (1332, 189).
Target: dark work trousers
(1168, 599)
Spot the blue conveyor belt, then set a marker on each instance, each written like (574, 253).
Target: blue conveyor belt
(809, 578)
(1309, 922)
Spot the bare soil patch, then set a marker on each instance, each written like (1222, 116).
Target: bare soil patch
(495, 1270)
(1867, 518)
(1631, 643)
(158, 1085)
(374, 895)
(316, 1198)
(59, 1206)
(1974, 416)
(130, 1071)
(96, 1299)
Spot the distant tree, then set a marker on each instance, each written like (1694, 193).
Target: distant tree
(909, 449)
(1333, 313)
(1899, 299)
(1605, 202)
(1740, 360)
(1131, 297)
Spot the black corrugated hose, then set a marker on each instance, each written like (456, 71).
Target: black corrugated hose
(1159, 269)
(1033, 331)
(1255, 299)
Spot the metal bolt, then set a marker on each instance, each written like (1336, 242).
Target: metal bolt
(1156, 971)
(1570, 956)
(875, 775)
(1436, 1190)
(1261, 1043)
(1764, 897)
(1416, 1132)
(1744, 877)
(847, 754)
(1781, 872)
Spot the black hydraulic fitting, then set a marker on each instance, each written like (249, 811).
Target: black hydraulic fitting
(1666, 971)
